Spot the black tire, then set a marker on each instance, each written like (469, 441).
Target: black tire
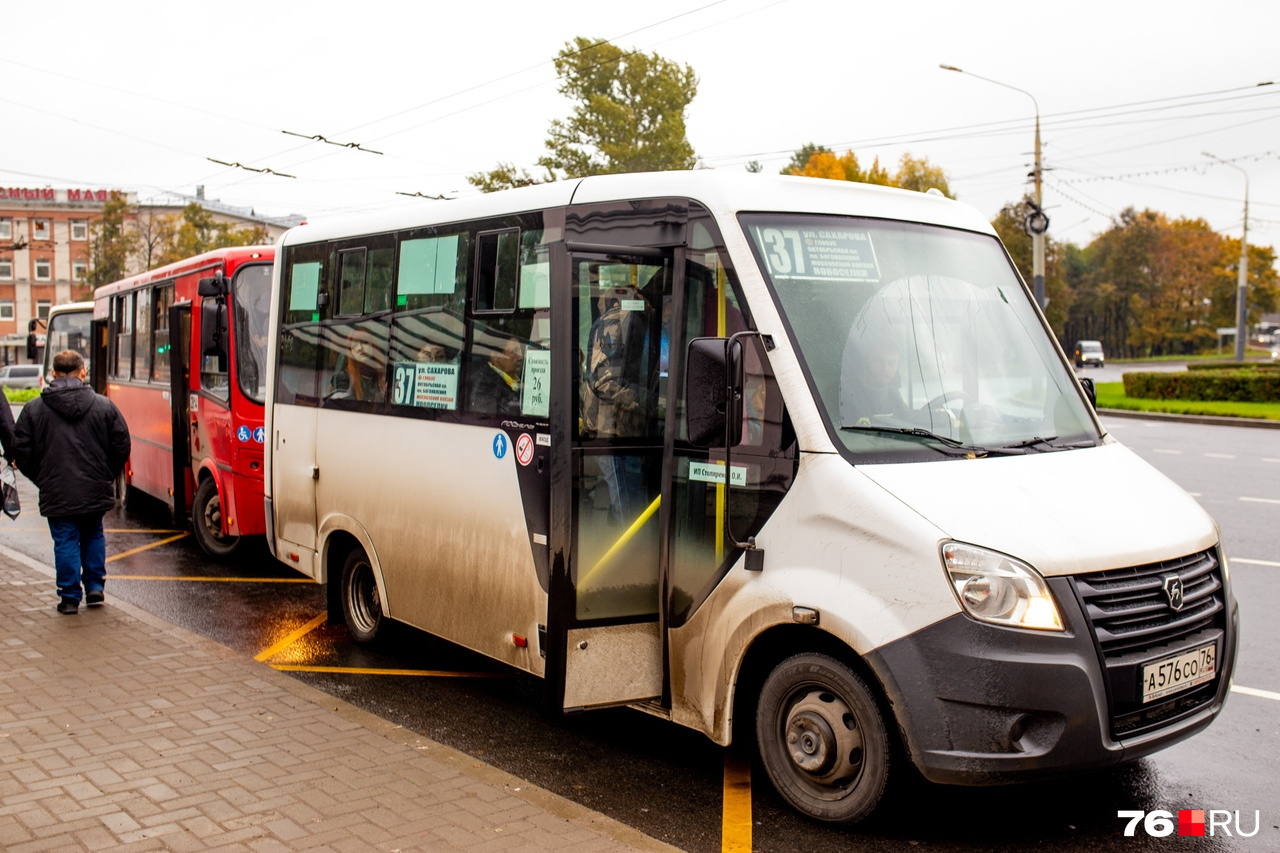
(823, 739)
(206, 522)
(361, 604)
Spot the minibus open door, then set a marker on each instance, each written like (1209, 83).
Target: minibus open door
(610, 476)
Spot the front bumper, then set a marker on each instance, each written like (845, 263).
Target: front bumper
(979, 704)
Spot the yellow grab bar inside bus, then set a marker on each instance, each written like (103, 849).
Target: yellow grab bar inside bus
(626, 537)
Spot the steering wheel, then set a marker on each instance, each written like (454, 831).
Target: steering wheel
(942, 400)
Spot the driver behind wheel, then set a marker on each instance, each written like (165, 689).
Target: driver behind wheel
(869, 379)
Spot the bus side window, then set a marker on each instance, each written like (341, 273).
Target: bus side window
(358, 355)
(495, 371)
(160, 364)
(351, 266)
(297, 378)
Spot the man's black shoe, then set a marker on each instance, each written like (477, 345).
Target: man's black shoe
(68, 606)
(93, 599)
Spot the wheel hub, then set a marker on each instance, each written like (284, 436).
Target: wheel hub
(822, 738)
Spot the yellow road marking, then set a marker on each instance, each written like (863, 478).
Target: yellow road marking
(142, 548)
(735, 824)
(132, 530)
(267, 654)
(197, 578)
(41, 527)
(357, 670)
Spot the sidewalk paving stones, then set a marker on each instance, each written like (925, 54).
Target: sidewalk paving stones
(121, 731)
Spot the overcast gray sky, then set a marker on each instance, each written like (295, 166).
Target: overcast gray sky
(137, 95)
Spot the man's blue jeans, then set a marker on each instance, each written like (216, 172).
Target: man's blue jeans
(78, 543)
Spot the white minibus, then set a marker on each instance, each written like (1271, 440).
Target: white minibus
(775, 458)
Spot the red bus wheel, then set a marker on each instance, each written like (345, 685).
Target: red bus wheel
(206, 522)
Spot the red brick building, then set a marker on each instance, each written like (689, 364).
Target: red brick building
(44, 248)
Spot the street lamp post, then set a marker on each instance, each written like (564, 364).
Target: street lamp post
(1037, 223)
(1242, 314)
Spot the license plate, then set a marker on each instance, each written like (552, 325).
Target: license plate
(1180, 672)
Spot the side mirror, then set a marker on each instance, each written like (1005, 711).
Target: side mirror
(213, 337)
(1090, 391)
(713, 392)
(215, 285)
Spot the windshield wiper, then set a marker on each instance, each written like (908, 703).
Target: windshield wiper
(921, 432)
(1040, 444)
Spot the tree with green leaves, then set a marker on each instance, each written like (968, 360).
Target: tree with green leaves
(111, 242)
(197, 232)
(629, 116)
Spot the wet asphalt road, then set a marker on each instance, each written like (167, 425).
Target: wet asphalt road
(669, 782)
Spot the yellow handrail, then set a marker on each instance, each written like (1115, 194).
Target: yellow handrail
(622, 541)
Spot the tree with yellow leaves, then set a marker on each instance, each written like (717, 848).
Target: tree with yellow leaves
(815, 161)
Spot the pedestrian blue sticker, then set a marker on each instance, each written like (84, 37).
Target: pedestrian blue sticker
(499, 446)
(243, 433)
(260, 435)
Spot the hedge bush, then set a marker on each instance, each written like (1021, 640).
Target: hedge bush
(1233, 365)
(1237, 386)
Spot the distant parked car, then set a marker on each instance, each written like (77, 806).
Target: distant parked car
(1088, 353)
(20, 376)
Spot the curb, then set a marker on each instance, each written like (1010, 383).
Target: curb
(1211, 420)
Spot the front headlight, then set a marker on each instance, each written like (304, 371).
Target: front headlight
(996, 588)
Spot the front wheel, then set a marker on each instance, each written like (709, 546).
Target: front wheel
(361, 604)
(206, 522)
(822, 739)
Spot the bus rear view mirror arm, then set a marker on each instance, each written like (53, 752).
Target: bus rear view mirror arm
(714, 409)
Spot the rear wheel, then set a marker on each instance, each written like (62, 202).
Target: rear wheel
(206, 522)
(361, 604)
(822, 739)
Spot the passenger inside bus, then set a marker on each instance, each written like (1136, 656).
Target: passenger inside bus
(360, 373)
(494, 387)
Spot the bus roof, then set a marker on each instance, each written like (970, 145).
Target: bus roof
(724, 193)
(70, 307)
(232, 255)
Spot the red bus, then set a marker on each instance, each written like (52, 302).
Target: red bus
(181, 350)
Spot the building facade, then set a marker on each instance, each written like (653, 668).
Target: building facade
(45, 258)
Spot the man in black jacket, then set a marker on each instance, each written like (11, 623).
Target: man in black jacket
(6, 428)
(73, 443)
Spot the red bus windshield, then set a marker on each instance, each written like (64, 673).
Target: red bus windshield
(251, 295)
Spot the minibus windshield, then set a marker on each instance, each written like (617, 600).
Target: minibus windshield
(920, 342)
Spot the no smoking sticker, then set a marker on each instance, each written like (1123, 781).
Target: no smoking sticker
(524, 448)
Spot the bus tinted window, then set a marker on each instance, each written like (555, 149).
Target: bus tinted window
(297, 376)
(122, 349)
(142, 345)
(379, 285)
(160, 360)
(497, 267)
(351, 282)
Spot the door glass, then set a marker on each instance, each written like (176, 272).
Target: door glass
(763, 463)
(621, 331)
